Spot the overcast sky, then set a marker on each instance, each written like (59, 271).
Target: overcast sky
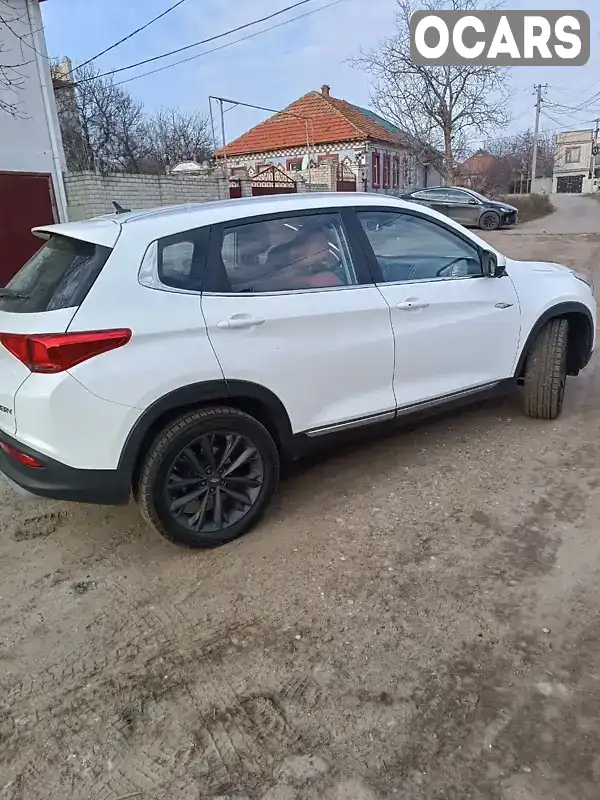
(280, 65)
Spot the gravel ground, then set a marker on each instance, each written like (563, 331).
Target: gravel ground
(416, 618)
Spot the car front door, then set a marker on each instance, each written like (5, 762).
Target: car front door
(463, 207)
(290, 305)
(454, 329)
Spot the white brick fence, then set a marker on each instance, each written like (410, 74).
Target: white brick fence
(90, 195)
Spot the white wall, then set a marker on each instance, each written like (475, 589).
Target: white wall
(25, 140)
(90, 195)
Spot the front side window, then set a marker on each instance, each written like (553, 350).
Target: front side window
(287, 254)
(456, 196)
(410, 248)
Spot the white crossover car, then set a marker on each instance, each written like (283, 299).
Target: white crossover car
(179, 355)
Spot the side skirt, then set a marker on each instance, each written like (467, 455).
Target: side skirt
(309, 440)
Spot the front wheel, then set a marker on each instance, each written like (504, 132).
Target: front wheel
(208, 477)
(490, 221)
(546, 371)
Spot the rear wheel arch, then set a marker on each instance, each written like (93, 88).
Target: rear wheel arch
(580, 336)
(254, 399)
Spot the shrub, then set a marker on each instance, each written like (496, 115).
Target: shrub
(531, 206)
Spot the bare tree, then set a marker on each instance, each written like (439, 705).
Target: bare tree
(174, 136)
(441, 107)
(513, 154)
(12, 79)
(102, 126)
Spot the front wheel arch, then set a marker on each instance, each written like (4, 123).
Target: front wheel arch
(580, 339)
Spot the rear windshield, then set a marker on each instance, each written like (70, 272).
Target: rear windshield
(57, 276)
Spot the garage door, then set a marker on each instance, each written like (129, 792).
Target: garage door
(25, 201)
(569, 184)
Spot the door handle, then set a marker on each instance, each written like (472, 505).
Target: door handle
(240, 321)
(411, 305)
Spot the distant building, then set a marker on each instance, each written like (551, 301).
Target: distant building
(372, 154)
(577, 162)
(31, 154)
(475, 172)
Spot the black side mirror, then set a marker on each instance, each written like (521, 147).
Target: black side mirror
(491, 268)
(473, 203)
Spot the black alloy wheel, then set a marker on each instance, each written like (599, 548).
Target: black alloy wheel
(208, 477)
(490, 221)
(214, 481)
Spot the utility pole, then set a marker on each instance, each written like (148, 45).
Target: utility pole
(594, 148)
(538, 108)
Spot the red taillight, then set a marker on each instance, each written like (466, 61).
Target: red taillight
(56, 352)
(11, 451)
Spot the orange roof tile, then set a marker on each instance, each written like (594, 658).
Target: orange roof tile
(332, 120)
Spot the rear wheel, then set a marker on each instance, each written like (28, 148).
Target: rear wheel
(489, 221)
(546, 371)
(208, 477)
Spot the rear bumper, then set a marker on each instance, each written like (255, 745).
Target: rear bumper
(61, 482)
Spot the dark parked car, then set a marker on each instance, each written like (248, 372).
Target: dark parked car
(469, 208)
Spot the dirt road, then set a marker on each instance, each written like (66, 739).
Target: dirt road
(417, 618)
(575, 213)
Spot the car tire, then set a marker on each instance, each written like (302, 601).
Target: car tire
(546, 371)
(489, 221)
(188, 462)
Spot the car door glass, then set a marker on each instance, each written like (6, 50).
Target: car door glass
(180, 259)
(459, 197)
(287, 254)
(410, 248)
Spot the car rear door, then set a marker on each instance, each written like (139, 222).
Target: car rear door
(454, 329)
(307, 324)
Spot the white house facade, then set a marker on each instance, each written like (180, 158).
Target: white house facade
(577, 162)
(31, 155)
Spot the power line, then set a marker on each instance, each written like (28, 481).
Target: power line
(229, 44)
(197, 44)
(564, 127)
(133, 33)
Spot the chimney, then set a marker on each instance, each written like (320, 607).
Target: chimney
(325, 90)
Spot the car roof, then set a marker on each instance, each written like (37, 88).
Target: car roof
(156, 223)
(167, 220)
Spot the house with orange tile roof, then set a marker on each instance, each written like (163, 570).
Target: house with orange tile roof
(376, 153)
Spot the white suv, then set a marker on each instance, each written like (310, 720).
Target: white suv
(180, 354)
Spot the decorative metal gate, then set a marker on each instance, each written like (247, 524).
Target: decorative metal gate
(235, 188)
(272, 180)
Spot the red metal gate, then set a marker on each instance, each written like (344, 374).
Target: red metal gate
(26, 200)
(272, 181)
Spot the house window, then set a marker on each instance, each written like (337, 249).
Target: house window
(396, 172)
(376, 177)
(294, 164)
(573, 155)
(386, 172)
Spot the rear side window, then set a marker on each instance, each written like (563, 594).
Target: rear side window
(57, 276)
